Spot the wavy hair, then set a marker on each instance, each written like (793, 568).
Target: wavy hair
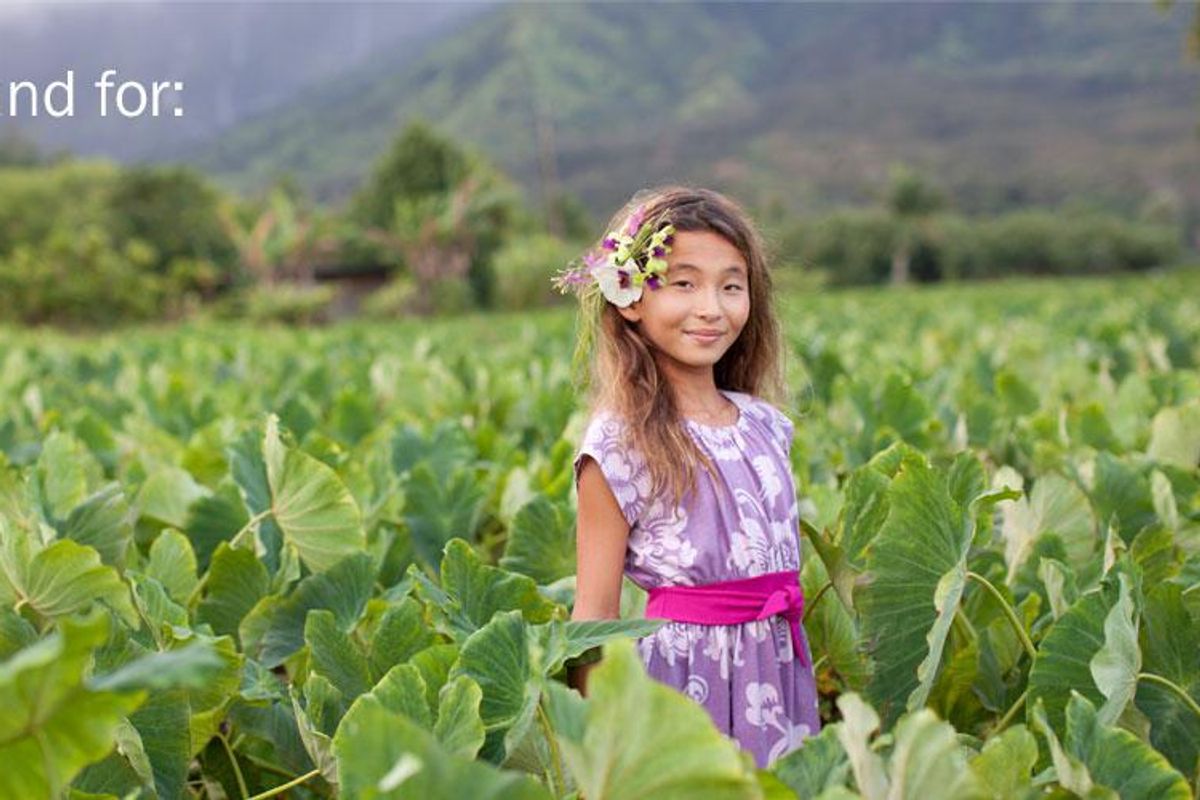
(615, 365)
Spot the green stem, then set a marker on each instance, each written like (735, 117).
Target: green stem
(555, 756)
(1167, 683)
(1026, 642)
(817, 664)
(257, 518)
(817, 599)
(1008, 715)
(237, 769)
(280, 789)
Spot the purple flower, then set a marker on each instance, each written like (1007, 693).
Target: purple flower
(659, 252)
(609, 243)
(669, 240)
(623, 276)
(592, 259)
(652, 282)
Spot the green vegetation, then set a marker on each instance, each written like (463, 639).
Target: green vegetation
(236, 558)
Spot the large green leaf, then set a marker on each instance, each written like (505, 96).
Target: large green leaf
(1116, 664)
(438, 510)
(475, 591)
(541, 542)
(103, 521)
(274, 628)
(1170, 642)
(1006, 762)
(310, 504)
(643, 739)
(382, 754)
(235, 582)
(1118, 759)
(927, 762)
(819, 765)
(51, 722)
(63, 578)
(173, 564)
(918, 572)
(333, 655)
(1065, 653)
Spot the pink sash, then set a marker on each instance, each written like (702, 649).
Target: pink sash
(734, 602)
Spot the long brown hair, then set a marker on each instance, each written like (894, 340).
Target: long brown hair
(624, 376)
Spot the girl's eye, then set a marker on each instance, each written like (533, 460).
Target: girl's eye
(682, 283)
(734, 286)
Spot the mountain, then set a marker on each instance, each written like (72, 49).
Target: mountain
(800, 105)
(235, 59)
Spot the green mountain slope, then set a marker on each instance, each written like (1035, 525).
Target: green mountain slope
(805, 105)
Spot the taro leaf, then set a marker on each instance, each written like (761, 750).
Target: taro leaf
(437, 511)
(274, 629)
(310, 504)
(1071, 773)
(859, 721)
(819, 765)
(216, 519)
(317, 744)
(63, 578)
(15, 633)
(497, 658)
(381, 754)
(191, 666)
(562, 640)
(1005, 763)
(477, 590)
(173, 564)
(1059, 581)
(459, 726)
(644, 739)
(64, 475)
(1116, 664)
(831, 629)
(235, 582)
(865, 510)
(398, 635)
(402, 691)
(1118, 759)
(1064, 655)
(541, 542)
(1120, 489)
(918, 567)
(927, 762)
(1170, 640)
(335, 656)
(1175, 436)
(166, 496)
(435, 663)
(249, 470)
(104, 521)
(1056, 505)
(162, 723)
(51, 723)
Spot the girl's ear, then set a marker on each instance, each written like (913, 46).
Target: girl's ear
(632, 312)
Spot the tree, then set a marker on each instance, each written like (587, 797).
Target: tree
(438, 209)
(910, 200)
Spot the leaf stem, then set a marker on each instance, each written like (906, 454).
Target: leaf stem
(1026, 642)
(555, 756)
(817, 599)
(237, 769)
(1167, 683)
(1008, 715)
(257, 518)
(279, 789)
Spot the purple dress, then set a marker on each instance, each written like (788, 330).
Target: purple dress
(746, 676)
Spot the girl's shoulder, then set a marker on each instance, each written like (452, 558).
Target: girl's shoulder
(767, 415)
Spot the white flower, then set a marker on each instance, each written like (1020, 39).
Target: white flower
(607, 276)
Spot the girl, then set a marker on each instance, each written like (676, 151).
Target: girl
(677, 299)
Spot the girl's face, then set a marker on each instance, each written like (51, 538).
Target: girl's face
(702, 306)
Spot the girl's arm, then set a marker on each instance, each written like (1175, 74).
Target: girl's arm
(601, 535)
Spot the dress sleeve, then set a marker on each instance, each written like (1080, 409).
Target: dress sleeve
(785, 428)
(623, 470)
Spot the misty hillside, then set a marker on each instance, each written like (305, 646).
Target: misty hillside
(803, 104)
(235, 59)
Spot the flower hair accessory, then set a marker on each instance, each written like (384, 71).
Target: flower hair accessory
(633, 255)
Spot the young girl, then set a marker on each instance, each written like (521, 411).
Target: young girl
(683, 476)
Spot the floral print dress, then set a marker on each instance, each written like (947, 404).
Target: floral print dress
(746, 676)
